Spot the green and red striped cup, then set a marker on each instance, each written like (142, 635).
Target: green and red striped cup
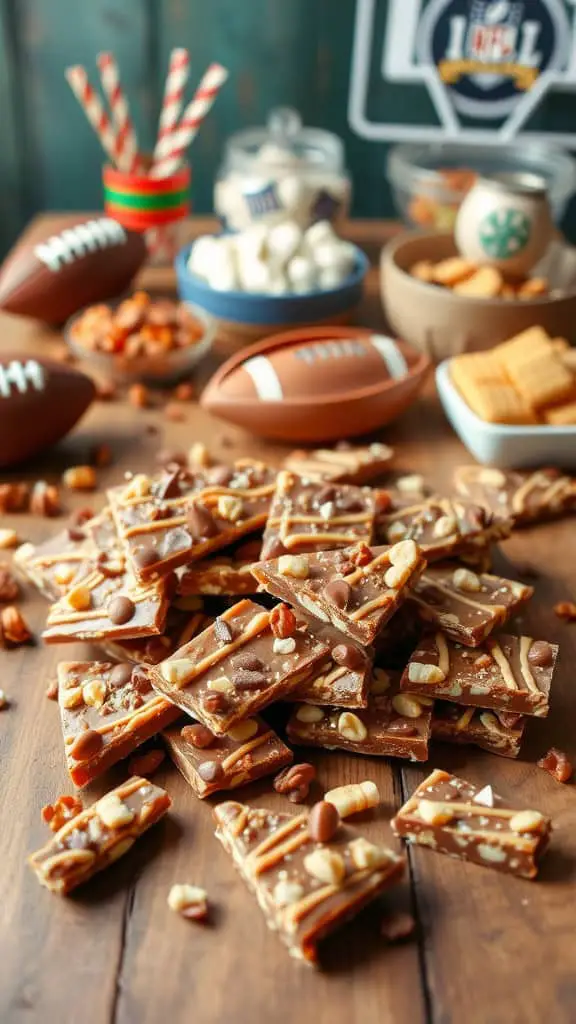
(139, 202)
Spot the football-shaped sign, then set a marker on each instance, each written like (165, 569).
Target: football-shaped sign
(317, 383)
(40, 401)
(53, 277)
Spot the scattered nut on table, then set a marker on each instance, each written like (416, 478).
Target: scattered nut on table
(190, 901)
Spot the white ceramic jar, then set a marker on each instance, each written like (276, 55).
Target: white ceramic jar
(505, 221)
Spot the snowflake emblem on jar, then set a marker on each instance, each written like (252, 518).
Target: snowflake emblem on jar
(504, 233)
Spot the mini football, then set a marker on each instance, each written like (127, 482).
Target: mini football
(53, 277)
(40, 401)
(317, 384)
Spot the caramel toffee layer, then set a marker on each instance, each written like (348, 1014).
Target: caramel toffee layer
(107, 711)
(528, 497)
(465, 605)
(393, 725)
(211, 763)
(510, 673)
(99, 835)
(308, 516)
(225, 573)
(355, 589)
(237, 666)
(181, 515)
(442, 527)
(350, 464)
(306, 889)
(499, 732)
(455, 817)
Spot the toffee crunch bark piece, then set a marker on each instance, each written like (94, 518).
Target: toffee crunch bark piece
(357, 589)
(239, 665)
(393, 725)
(465, 605)
(107, 711)
(99, 835)
(307, 516)
(54, 565)
(179, 628)
(345, 463)
(453, 816)
(442, 527)
(181, 515)
(305, 888)
(211, 763)
(523, 497)
(499, 732)
(509, 673)
(226, 572)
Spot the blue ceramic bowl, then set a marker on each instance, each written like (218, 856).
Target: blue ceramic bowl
(249, 316)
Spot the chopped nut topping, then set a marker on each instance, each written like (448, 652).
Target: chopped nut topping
(64, 573)
(287, 646)
(527, 821)
(413, 483)
(199, 456)
(435, 813)
(366, 855)
(406, 705)
(189, 900)
(80, 478)
(79, 598)
(464, 579)
(325, 865)
(394, 576)
(243, 730)
(404, 554)
(113, 812)
(396, 531)
(72, 697)
(293, 565)
(282, 621)
(94, 693)
(351, 727)
(353, 798)
(380, 681)
(444, 526)
(309, 713)
(62, 810)
(8, 539)
(229, 507)
(397, 926)
(176, 671)
(418, 673)
(286, 892)
(137, 487)
(492, 478)
(220, 685)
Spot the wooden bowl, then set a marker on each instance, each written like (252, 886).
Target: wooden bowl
(443, 324)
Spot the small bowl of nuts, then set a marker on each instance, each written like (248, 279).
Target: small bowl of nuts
(141, 338)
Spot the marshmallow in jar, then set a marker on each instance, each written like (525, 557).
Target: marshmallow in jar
(280, 172)
(505, 221)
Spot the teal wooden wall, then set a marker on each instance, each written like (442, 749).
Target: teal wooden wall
(294, 52)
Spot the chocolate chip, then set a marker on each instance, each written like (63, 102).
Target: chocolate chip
(348, 656)
(326, 493)
(86, 745)
(248, 661)
(168, 486)
(323, 822)
(210, 771)
(120, 675)
(222, 631)
(200, 521)
(245, 679)
(338, 592)
(402, 728)
(540, 654)
(145, 556)
(215, 703)
(273, 548)
(220, 475)
(197, 735)
(120, 610)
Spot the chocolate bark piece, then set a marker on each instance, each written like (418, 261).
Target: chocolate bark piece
(402, 490)
(107, 711)
(497, 732)
(524, 497)
(99, 835)
(179, 628)
(509, 673)
(356, 589)
(308, 516)
(393, 724)
(180, 515)
(344, 678)
(345, 463)
(453, 816)
(55, 565)
(226, 572)
(465, 605)
(443, 527)
(305, 889)
(237, 666)
(247, 752)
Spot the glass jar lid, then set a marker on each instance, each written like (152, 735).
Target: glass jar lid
(284, 142)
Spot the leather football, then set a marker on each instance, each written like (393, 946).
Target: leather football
(88, 261)
(40, 401)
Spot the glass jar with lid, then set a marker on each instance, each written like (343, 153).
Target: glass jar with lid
(282, 171)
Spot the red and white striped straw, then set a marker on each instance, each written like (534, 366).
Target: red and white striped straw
(172, 147)
(126, 141)
(92, 106)
(176, 79)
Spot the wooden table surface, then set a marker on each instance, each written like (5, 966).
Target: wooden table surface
(490, 949)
